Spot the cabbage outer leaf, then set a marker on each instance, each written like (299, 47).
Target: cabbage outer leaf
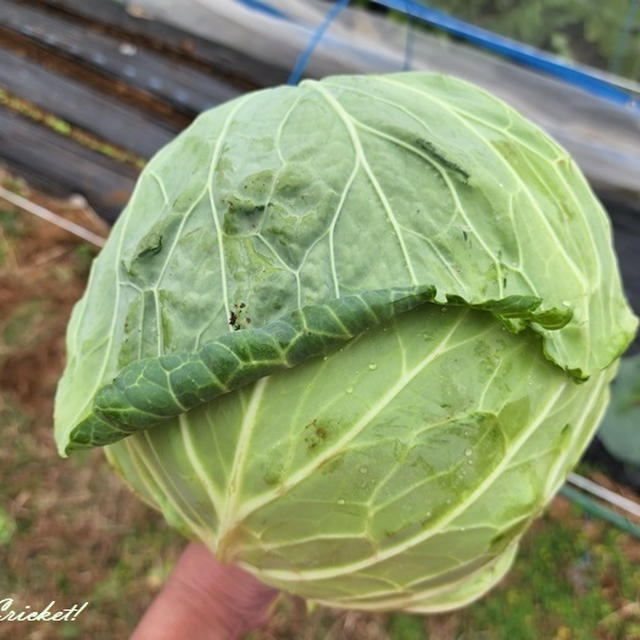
(304, 197)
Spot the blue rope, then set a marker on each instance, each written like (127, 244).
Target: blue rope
(304, 56)
(514, 50)
(626, 27)
(256, 5)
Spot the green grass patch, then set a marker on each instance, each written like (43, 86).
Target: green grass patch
(402, 626)
(7, 527)
(10, 222)
(558, 586)
(24, 326)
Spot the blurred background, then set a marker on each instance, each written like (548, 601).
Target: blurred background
(90, 89)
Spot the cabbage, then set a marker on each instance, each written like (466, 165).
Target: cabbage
(352, 335)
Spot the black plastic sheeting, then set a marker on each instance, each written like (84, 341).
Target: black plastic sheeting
(626, 237)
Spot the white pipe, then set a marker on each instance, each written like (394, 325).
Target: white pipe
(605, 494)
(49, 216)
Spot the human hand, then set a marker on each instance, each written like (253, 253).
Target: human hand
(205, 600)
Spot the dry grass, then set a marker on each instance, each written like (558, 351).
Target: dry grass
(69, 530)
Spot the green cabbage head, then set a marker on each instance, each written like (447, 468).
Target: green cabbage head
(352, 335)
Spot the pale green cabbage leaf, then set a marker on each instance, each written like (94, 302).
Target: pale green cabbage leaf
(352, 335)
